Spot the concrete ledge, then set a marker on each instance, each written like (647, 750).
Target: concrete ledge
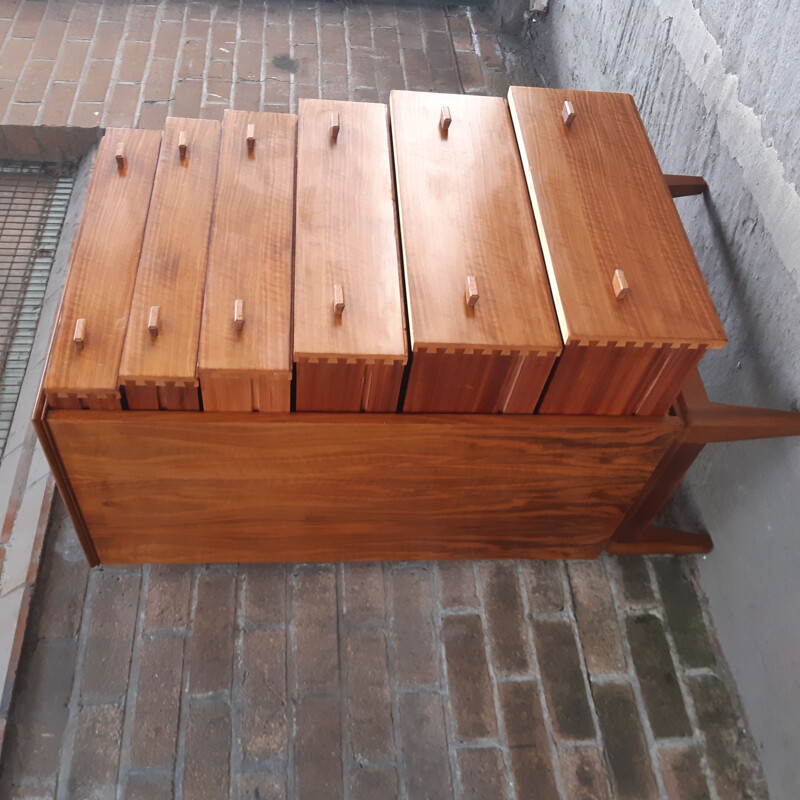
(46, 143)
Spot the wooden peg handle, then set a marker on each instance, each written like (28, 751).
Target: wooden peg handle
(472, 291)
(120, 156)
(445, 118)
(335, 123)
(568, 113)
(620, 284)
(152, 320)
(251, 138)
(338, 299)
(80, 328)
(183, 148)
(238, 314)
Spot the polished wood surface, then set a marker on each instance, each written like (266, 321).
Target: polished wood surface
(317, 487)
(250, 265)
(102, 274)
(618, 380)
(172, 268)
(465, 212)
(601, 204)
(346, 236)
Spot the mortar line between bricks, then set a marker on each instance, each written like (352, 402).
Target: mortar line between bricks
(68, 742)
(148, 64)
(176, 78)
(183, 714)
(444, 679)
(318, 23)
(573, 620)
(129, 709)
(637, 691)
(264, 59)
(511, 788)
(51, 81)
(291, 682)
(86, 63)
(537, 671)
(236, 756)
(402, 56)
(115, 70)
(453, 50)
(344, 736)
(391, 659)
(688, 701)
(292, 78)
(207, 63)
(350, 92)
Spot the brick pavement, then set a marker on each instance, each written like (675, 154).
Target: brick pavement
(415, 680)
(465, 680)
(68, 69)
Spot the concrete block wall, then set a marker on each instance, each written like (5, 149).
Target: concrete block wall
(718, 86)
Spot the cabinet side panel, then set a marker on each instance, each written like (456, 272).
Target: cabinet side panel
(329, 386)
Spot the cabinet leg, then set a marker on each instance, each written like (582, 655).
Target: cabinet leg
(661, 541)
(683, 185)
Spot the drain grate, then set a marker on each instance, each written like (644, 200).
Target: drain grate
(33, 203)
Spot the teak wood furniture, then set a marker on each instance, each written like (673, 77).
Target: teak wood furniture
(203, 320)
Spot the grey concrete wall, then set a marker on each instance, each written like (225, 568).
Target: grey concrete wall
(718, 85)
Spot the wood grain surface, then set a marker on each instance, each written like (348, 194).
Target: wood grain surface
(172, 268)
(250, 259)
(464, 211)
(316, 487)
(346, 235)
(468, 231)
(102, 274)
(601, 204)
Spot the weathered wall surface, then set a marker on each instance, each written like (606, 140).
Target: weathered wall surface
(718, 86)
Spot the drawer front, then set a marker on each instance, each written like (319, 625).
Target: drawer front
(348, 304)
(159, 359)
(245, 337)
(90, 331)
(480, 310)
(602, 206)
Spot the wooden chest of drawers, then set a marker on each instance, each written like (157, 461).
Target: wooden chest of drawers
(177, 321)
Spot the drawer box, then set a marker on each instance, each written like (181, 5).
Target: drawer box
(245, 358)
(483, 329)
(633, 307)
(349, 324)
(159, 359)
(90, 330)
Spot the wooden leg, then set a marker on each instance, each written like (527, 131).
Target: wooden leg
(683, 185)
(658, 541)
(634, 536)
(718, 422)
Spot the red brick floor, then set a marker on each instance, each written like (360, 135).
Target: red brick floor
(69, 69)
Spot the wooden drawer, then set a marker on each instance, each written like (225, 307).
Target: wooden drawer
(349, 358)
(90, 330)
(466, 220)
(245, 359)
(159, 359)
(606, 222)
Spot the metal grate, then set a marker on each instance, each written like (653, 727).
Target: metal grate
(33, 203)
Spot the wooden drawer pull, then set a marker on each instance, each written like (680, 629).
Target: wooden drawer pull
(620, 284)
(238, 314)
(183, 148)
(80, 329)
(472, 291)
(152, 321)
(338, 299)
(335, 122)
(251, 138)
(568, 113)
(445, 118)
(120, 156)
